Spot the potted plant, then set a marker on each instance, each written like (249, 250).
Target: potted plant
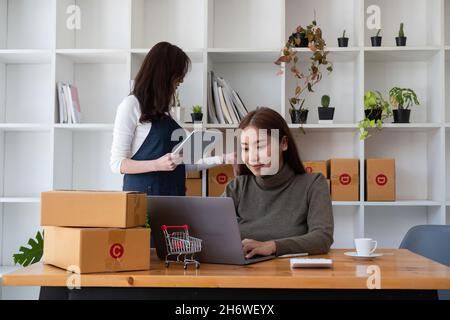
(343, 41)
(197, 114)
(376, 40)
(376, 110)
(401, 39)
(326, 114)
(298, 115)
(305, 81)
(402, 99)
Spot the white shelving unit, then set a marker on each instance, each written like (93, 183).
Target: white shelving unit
(239, 40)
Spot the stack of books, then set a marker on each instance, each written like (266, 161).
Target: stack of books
(225, 106)
(69, 103)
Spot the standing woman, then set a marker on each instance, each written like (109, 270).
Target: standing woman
(142, 144)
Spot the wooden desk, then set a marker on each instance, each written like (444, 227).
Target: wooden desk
(400, 270)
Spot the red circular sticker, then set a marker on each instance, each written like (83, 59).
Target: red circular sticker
(345, 179)
(222, 178)
(381, 180)
(116, 251)
(309, 169)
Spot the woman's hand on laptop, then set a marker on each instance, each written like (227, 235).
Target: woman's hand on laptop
(253, 248)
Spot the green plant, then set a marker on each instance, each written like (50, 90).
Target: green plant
(401, 32)
(305, 81)
(197, 109)
(402, 98)
(325, 101)
(31, 254)
(374, 102)
(378, 33)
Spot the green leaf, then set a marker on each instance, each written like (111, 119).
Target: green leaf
(32, 254)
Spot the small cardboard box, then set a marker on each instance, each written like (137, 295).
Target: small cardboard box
(194, 187)
(194, 175)
(380, 180)
(218, 178)
(344, 176)
(94, 250)
(93, 209)
(316, 167)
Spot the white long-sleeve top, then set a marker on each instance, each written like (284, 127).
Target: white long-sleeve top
(129, 135)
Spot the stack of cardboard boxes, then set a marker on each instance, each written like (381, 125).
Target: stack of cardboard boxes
(91, 232)
(194, 184)
(344, 177)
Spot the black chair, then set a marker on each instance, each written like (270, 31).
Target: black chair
(432, 242)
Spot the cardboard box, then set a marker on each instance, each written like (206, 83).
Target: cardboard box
(194, 187)
(344, 176)
(93, 209)
(329, 185)
(218, 178)
(94, 250)
(316, 167)
(380, 180)
(194, 175)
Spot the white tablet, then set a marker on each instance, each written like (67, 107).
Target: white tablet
(180, 146)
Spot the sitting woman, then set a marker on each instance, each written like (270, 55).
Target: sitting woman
(281, 209)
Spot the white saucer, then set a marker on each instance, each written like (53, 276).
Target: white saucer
(353, 254)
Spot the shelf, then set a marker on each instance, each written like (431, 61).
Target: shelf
(104, 24)
(400, 54)
(25, 56)
(8, 269)
(180, 22)
(24, 127)
(410, 203)
(104, 56)
(325, 127)
(418, 127)
(86, 127)
(20, 200)
(244, 55)
(346, 203)
(196, 55)
(335, 54)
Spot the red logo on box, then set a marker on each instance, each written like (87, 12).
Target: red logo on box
(345, 179)
(309, 169)
(222, 178)
(116, 251)
(381, 180)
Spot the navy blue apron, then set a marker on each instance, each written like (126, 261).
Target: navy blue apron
(162, 183)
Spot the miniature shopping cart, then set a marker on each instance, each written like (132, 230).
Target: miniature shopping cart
(181, 246)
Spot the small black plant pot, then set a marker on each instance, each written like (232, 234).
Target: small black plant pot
(343, 42)
(197, 117)
(401, 41)
(326, 113)
(303, 40)
(374, 114)
(402, 115)
(376, 41)
(299, 116)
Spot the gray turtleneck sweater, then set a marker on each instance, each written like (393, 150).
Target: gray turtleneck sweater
(293, 210)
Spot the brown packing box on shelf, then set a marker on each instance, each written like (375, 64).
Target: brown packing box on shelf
(316, 166)
(329, 185)
(344, 176)
(218, 178)
(194, 175)
(194, 187)
(93, 209)
(380, 180)
(93, 250)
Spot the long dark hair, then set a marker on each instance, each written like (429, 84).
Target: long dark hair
(266, 118)
(154, 85)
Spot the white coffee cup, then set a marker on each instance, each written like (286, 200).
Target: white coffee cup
(365, 246)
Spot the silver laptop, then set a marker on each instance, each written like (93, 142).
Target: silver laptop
(211, 219)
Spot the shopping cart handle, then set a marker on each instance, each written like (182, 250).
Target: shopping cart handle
(185, 227)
